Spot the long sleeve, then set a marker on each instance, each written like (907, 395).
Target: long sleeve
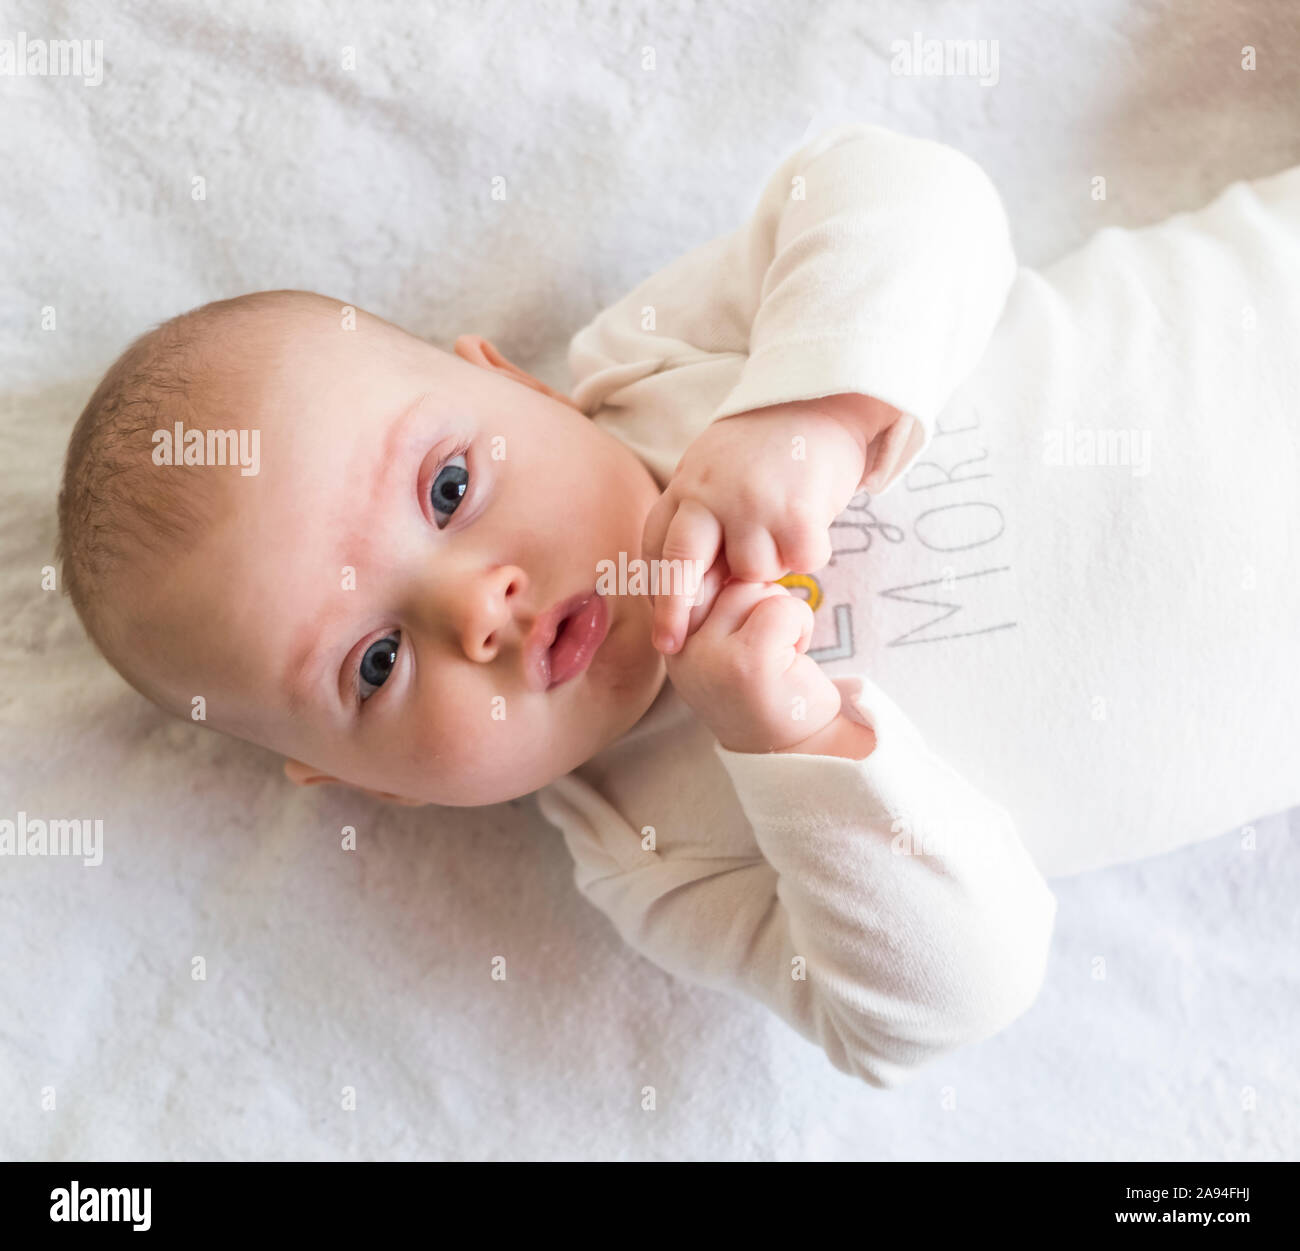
(892, 915)
(874, 263)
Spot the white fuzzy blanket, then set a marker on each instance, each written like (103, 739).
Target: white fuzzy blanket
(1167, 1026)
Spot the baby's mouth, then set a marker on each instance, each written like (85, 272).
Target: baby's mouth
(564, 640)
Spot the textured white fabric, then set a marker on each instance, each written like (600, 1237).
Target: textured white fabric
(1166, 1026)
(882, 907)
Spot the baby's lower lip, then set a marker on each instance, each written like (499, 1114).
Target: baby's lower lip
(581, 634)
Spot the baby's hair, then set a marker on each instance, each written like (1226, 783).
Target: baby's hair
(119, 512)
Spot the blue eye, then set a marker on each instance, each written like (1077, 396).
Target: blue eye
(377, 664)
(449, 489)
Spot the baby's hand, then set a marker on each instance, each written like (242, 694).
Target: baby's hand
(745, 674)
(762, 487)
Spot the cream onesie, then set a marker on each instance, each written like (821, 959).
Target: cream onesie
(1071, 616)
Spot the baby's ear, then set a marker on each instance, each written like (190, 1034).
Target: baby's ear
(304, 775)
(481, 352)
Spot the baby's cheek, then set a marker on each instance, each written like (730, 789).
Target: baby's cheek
(447, 730)
(468, 742)
(459, 733)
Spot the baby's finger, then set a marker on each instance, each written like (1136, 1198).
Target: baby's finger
(656, 525)
(735, 602)
(752, 554)
(777, 624)
(803, 546)
(690, 547)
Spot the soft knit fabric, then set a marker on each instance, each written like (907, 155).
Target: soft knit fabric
(874, 263)
(884, 907)
(1102, 648)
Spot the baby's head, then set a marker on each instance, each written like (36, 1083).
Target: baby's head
(376, 601)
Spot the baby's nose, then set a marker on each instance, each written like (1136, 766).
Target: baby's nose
(486, 614)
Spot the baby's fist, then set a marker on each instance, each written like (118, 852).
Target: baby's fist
(745, 672)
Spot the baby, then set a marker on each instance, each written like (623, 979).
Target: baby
(410, 595)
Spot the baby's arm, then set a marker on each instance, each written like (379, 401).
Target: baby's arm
(923, 921)
(867, 284)
(892, 916)
(875, 264)
(895, 914)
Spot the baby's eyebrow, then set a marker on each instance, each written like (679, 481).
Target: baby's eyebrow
(385, 462)
(307, 656)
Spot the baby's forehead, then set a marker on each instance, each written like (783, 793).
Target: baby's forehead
(262, 335)
(308, 347)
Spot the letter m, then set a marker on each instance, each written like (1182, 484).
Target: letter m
(920, 633)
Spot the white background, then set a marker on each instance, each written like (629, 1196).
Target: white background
(371, 969)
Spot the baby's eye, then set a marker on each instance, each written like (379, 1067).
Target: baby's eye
(448, 489)
(377, 664)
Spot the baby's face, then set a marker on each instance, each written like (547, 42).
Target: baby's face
(374, 603)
